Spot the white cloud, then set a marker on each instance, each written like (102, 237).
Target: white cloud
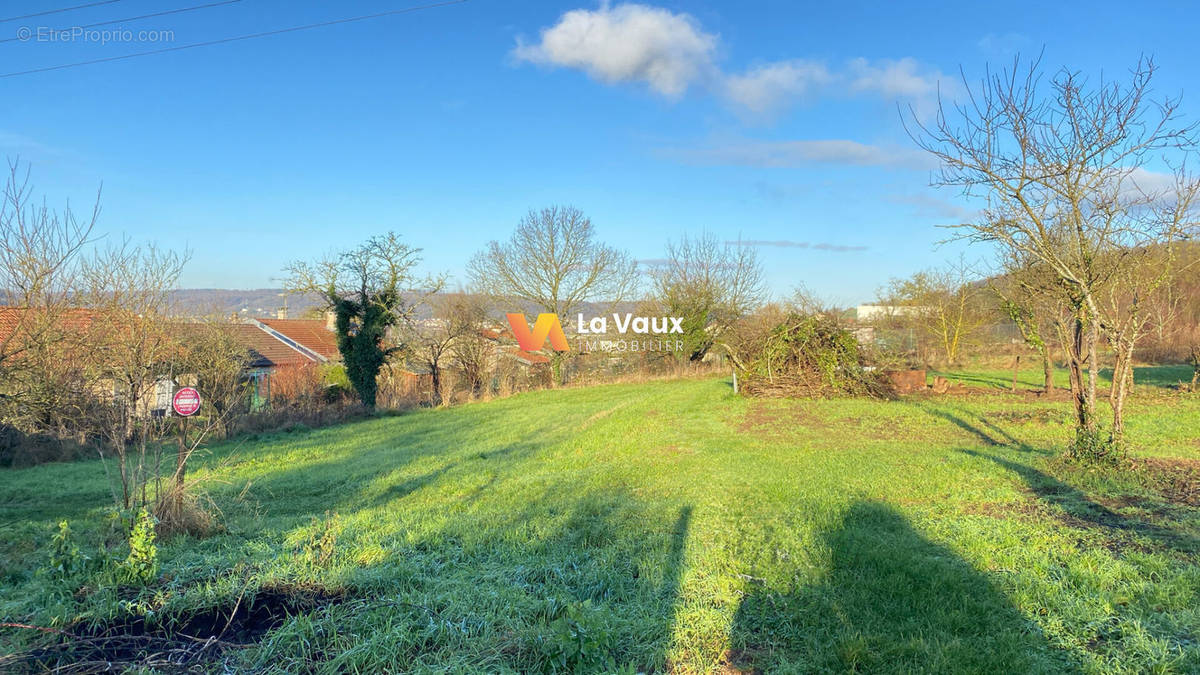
(17, 142)
(1143, 182)
(900, 80)
(628, 43)
(928, 206)
(787, 243)
(790, 154)
(670, 52)
(766, 88)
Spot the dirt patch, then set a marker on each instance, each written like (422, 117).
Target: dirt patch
(1116, 521)
(1038, 417)
(764, 420)
(190, 643)
(1176, 479)
(737, 662)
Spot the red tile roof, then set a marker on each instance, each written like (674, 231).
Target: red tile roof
(309, 333)
(12, 318)
(267, 350)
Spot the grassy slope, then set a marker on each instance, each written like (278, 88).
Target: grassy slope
(706, 529)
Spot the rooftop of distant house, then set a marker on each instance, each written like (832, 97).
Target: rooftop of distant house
(266, 351)
(312, 334)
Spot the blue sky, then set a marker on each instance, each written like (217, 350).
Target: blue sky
(765, 121)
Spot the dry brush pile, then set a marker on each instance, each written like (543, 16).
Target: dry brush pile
(802, 356)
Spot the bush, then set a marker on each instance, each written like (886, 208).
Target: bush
(65, 559)
(142, 564)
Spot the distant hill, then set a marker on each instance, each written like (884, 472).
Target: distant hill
(257, 302)
(270, 302)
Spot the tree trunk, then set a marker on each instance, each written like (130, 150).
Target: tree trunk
(1075, 370)
(435, 381)
(1016, 369)
(1047, 370)
(1081, 344)
(1093, 350)
(1122, 370)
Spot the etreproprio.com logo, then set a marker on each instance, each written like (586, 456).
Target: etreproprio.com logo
(649, 333)
(92, 35)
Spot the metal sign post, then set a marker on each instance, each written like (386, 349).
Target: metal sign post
(185, 403)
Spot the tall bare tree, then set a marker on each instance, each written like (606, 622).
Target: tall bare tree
(1064, 168)
(553, 263)
(455, 323)
(40, 250)
(474, 352)
(710, 284)
(136, 354)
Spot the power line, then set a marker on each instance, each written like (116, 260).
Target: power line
(251, 36)
(60, 11)
(138, 18)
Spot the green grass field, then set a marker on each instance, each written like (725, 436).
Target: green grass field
(665, 526)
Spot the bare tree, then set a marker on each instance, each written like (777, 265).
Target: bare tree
(39, 252)
(44, 386)
(944, 304)
(453, 323)
(554, 263)
(474, 352)
(710, 284)
(1028, 298)
(135, 353)
(218, 363)
(1064, 175)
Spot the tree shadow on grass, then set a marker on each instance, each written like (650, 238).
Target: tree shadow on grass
(1162, 377)
(1078, 510)
(892, 602)
(988, 433)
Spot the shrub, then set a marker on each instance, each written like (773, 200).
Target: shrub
(142, 564)
(321, 543)
(65, 559)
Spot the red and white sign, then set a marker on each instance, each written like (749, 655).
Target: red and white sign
(186, 402)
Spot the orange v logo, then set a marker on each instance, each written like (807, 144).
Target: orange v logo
(547, 325)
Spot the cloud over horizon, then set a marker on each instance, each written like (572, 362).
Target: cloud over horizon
(792, 154)
(669, 52)
(785, 243)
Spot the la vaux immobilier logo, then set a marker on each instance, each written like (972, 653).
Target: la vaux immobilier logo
(593, 333)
